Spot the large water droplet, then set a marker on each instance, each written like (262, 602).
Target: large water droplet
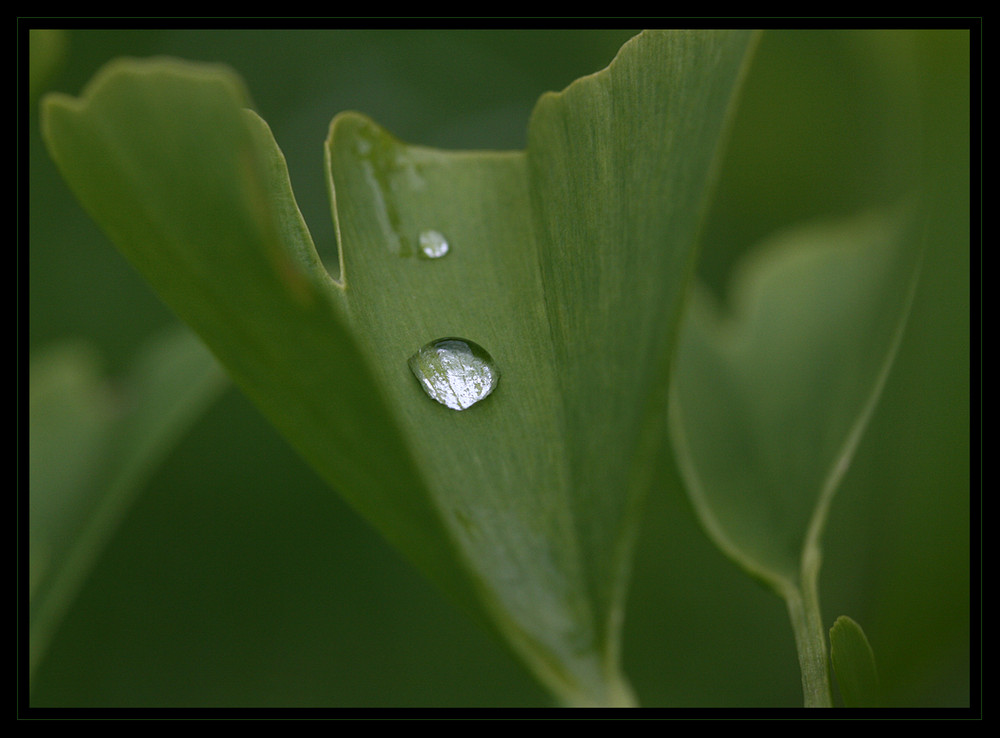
(455, 372)
(433, 245)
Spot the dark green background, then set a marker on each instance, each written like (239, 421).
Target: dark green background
(240, 580)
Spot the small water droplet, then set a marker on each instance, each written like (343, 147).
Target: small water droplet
(454, 371)
(433, 245)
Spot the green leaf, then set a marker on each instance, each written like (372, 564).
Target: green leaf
(567, 264)
(191, 188)
(771, 398)
(854, 664)
(46, 48)
(620, 166)
(92, 444)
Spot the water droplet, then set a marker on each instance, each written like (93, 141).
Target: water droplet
(433, 245)
(455, 372)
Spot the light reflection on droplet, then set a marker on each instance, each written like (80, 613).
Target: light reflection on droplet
(433, 244)
(454, 371)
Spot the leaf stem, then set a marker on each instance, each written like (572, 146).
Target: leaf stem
(810, 637)
(615, 692)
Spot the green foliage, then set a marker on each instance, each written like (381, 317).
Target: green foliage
(45, 53)
(854, 664)
(771, 398)
(506, 505)
(525, 507)
(768, 405)
(92, 445)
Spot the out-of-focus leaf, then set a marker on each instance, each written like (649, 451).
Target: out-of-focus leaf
(771, 398)
(92, 444)
(854, 664)
(46, 48)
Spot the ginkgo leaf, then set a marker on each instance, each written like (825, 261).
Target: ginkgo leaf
(93, 442)
(770, 398)
(566, 264)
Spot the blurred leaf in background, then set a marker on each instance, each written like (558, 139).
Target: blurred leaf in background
(237, 580)
(854, 664)
(92, 444)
